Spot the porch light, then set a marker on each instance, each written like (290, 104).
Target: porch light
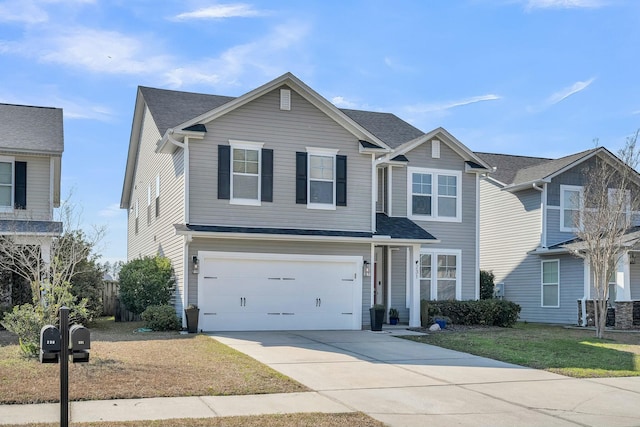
(366, 270)
(196, 264)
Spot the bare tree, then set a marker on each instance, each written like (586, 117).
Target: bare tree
(604, 219)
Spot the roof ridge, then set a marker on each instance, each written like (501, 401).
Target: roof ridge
(29, 106)
(513, 155)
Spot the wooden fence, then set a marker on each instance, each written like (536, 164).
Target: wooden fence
(112, 306)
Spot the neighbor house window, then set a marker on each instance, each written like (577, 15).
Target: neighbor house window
(570, 205)
(440, 274)
(434, 194)
(149, 204)
(245, 172)
(157, 196)
(6, 183)
(551, 283)
(137, 216)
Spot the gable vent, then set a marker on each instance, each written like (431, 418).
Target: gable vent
(435, 149)
(285, 99)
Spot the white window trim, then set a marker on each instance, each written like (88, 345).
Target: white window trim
(563, 203)
(149, 195)
(246, 145)
(434, 194)
(324, 152)
(12, 160)
(434, 270)
(542, 284)
(157, 186)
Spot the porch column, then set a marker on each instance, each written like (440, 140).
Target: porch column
(623, 279)
(414, 271)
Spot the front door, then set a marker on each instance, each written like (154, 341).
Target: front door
(379, 276)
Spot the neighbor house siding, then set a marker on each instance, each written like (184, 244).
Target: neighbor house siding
(280, 247)
(452, 235)
(38, 189)
(285, 132)
(399, 191)
(510, 227)
(158, 236)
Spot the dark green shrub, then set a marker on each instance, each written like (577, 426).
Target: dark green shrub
(161, 318)
(145, 282)
(25, 321)
(486, 284)
(87, 283)
(491, 312)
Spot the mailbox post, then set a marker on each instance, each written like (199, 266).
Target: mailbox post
(55, 345)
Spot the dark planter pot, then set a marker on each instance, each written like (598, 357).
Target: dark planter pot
(192, 315)
(377, 317)
(393, 320)
(441, 323)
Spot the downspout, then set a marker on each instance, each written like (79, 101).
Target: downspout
(477, 293)
(185, 154)
(374, 188)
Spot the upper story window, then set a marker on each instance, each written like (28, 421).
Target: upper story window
(13, 184)
(321, 178)
(245, 173)
(570, 205)
(434, 194)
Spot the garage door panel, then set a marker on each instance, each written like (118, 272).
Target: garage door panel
(275, 292)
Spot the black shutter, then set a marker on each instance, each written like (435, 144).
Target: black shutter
(20, 190)
(267, 175)
(224, 172)
(301, 178)
(341, 180)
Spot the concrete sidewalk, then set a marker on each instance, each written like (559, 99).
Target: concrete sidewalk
(172, 407)
(404, 383)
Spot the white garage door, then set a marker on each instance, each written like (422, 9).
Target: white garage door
(246, 291)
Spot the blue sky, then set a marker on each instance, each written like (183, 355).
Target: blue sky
(530, 77)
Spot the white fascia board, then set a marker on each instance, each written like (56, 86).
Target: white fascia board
(134, 142)
(526, 185)
(303, 90)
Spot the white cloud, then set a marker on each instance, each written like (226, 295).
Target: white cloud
(428, 108)
(568, 91)
(111, 211)
(395, 65)
(271, 55)
(220, 11)
(31, 12)
(563, 4)
(342, 102)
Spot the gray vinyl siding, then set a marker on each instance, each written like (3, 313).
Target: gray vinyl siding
(399, 191)
(38, 189)
(286, 132)
(398, 285)
(159, 236)
(280, 247)
(452, 235)
(554, 235)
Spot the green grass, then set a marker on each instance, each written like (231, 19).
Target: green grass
(571, 352)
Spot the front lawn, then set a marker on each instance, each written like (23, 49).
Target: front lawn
(571, 352)
(128, 364)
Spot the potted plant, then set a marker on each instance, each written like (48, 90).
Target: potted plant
(441, 321)
(192, 312)
(393, 316)
(376, 314)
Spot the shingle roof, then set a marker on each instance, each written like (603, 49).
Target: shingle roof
(400, 228)
(514, 170)
(170, 108)
(270, 230)
(29, 128)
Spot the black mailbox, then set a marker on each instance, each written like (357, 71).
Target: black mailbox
(79, 343)
(49, 344)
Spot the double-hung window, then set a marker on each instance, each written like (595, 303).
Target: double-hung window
(440, 274)
(245, 172)
(6, 183)
(570, 206)
(321, 178)
(551, 283)
(434, 194)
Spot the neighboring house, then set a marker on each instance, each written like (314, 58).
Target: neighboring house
(526, 221)
(31, 146)
(280, 211)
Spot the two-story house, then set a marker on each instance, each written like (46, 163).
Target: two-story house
(280, 211)
(527, 212)
(31, 146)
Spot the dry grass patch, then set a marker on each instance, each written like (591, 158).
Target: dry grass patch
(280, 420)
(126, 364)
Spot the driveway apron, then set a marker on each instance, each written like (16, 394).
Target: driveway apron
(405, 383)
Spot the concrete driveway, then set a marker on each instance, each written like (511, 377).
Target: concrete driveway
(404, 383)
